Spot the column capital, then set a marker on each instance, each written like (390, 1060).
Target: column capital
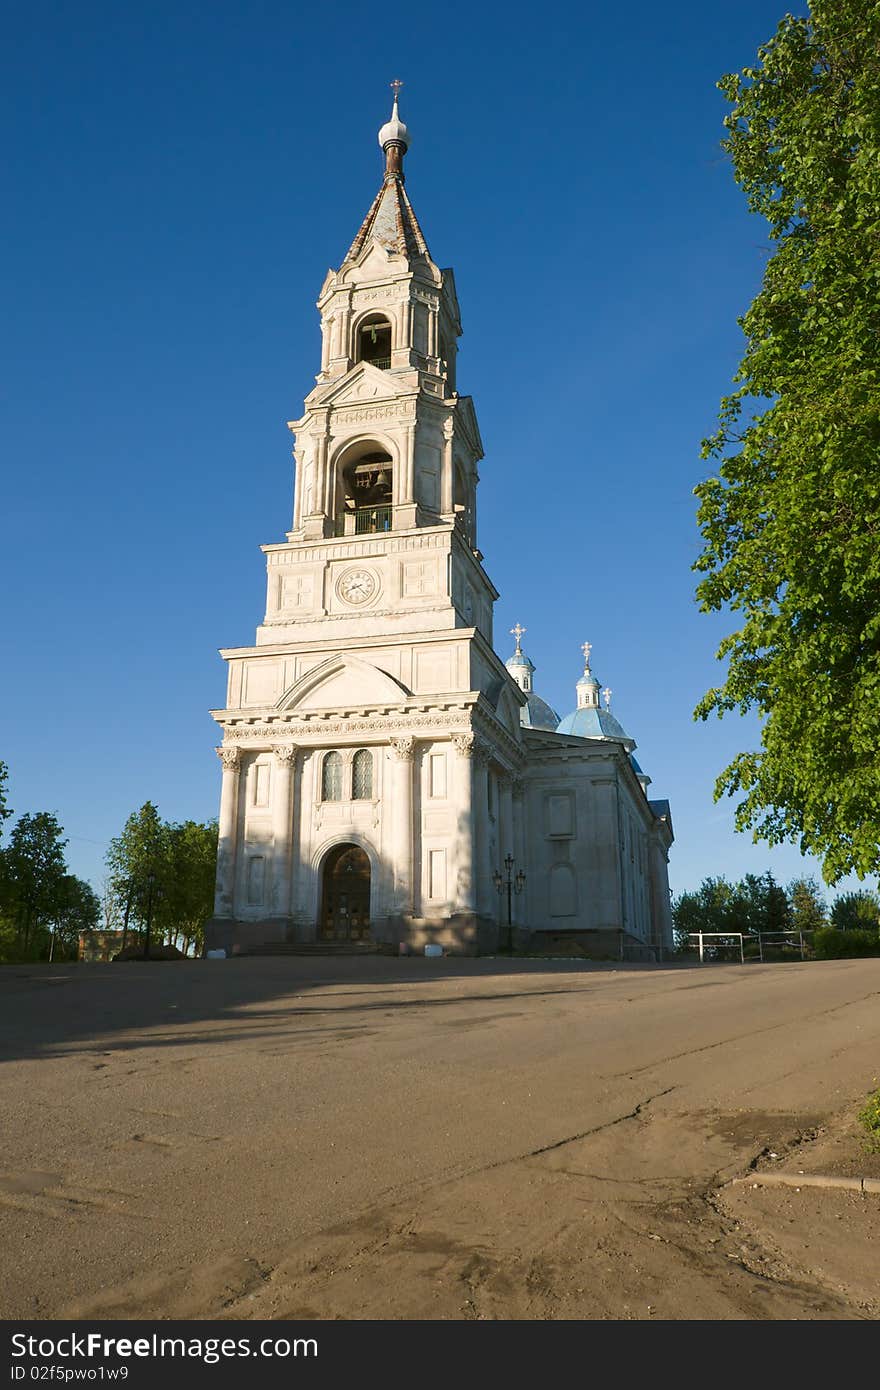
(404, 748)
(482, 753)
(518, 785)
(465, 744)
(229, 755)
(285, 753)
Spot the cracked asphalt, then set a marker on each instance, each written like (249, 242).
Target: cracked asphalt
(381, 1138)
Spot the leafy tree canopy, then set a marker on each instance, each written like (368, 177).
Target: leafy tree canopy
(180, 858)
(853, 911)
(791, 524)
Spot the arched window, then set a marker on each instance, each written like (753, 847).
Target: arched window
(362, 775)
(364, 504)
(374, 342)
(331, 778)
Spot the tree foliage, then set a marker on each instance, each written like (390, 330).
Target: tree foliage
(34, 873)
(855, 911)
(180, 858)
(756, 904)
(807, 907)
(791, 524)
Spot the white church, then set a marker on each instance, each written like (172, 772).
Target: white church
(387, 778)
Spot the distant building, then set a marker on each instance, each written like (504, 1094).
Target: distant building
(384, 772)
(100, 945)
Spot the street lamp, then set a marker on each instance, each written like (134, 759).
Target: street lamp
(152, 889)
(513, 884)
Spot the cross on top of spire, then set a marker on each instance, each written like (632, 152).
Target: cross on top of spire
(606, 696)
(517, 632)
(586, 649)
(395, 87)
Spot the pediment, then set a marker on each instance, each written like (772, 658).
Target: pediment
(466, 417)
(507, 711)
(371, 261)
(343, 682)
(363, 383)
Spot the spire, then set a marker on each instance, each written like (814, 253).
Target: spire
(391, 220)
(394, 138)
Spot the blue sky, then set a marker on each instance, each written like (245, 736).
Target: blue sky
(181, 178)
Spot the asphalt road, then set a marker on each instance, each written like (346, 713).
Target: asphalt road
(405, 1138)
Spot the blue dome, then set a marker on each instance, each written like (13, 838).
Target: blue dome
(537, 714)
(593, 722)
(519, 659)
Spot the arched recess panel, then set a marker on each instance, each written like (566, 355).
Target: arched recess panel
(563, 891)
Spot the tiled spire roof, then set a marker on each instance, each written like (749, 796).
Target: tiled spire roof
(392, 222)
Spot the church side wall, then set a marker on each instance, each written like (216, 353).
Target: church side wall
(592, 856)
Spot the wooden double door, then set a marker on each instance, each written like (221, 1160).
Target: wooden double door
(345, 895)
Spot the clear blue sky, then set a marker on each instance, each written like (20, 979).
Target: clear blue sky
(181, 177)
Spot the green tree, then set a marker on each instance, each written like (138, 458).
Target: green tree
(182, 860)
(189, 872)
(791, 526)
(854, 911)
(34, 873)
(807, 905)
(133, 855)
(78, 910)
(713, 907)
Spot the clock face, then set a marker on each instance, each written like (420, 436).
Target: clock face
(357, 586)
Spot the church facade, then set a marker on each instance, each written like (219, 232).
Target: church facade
(387, 778)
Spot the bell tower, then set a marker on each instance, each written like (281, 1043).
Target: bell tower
(386, 444)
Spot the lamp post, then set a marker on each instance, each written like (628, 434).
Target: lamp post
(152, 889)
(514, 884)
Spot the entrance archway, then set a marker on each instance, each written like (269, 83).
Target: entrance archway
(345, 895)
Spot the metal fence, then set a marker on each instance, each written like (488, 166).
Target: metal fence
(716, 945)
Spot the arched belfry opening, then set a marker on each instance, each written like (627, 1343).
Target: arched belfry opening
(374, 342)
(462, 501)
(364, 492)
(345, 895)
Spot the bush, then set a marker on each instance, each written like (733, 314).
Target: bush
(870, 1118)
(829, 944)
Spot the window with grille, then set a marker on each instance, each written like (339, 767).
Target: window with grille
(331, 778)
(362, 775)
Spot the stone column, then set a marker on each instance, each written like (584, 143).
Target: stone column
(447, 479)
(505, 842)
(466, 899)
(481, 828)
(224, 895)
(282, 822)
(409, 450)
(520, 902)
(402, 822)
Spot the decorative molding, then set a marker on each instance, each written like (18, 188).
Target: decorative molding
(380, 726)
